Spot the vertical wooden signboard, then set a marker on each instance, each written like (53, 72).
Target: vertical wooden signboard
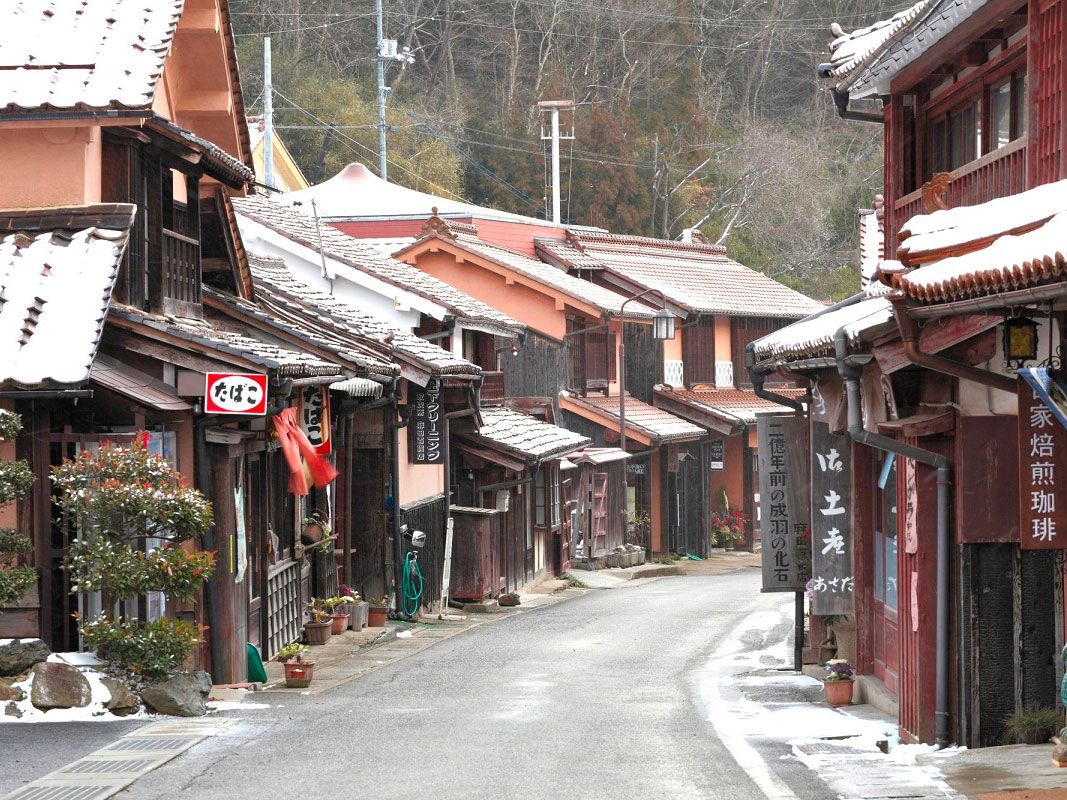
(831, 521)
(426, 425)
(783, 483)
(1042, 474)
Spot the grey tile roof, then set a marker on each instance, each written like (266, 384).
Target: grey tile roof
(730, 404)
(527, 435)
(815, 336)
(137, 386)
(653, 422)
(545, 274)
(851, 51)
(216, 160)
(300, 228)
(57, 270)
(352, 347)
(698, 277)
(285, 296)
(271, 357)
(931, 23)
(84, 54)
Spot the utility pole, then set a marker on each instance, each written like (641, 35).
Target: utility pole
(387, 51)
(553, 107)
(268, 118)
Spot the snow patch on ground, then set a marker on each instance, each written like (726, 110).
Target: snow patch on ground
(846, 746)
(87, 664)
(232, 705)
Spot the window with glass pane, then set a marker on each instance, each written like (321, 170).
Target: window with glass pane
(1019, 102)
(889, 498)
(1001, 109)
(539, 489)
(879, 565)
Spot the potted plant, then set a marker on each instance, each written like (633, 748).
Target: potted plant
(318, 628)
(298, 672)
(335, 606)
(726, 528)
(378, 613)
(350, 604)
(291, 651)
(838, 682)
(1034, 725)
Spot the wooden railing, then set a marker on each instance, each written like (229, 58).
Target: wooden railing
(492, 388)
(284, 607)
(996, 174)
(181, 267)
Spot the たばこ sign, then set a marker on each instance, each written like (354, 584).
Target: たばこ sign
(230, 393)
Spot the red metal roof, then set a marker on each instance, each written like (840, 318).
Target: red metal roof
(698, 277)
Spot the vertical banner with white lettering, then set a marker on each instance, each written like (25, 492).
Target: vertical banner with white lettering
(831, 517)
(426, 426)
(782, 454)
(1042, 474)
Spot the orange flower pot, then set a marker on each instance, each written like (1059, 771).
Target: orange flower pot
(377, 617)
(338, 623)
(838, 693)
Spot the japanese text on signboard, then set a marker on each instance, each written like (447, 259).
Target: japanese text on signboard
(426, 424)
(1042, 442)
(783, 484)
(315, 417)
(831, 534)
(228, 393)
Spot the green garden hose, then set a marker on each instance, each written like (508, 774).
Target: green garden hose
(412, 585)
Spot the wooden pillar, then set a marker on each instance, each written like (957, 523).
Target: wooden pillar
(748, 506)
(231, 597)
(864, 496)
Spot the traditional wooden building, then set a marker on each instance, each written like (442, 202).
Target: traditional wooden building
(699, 374)
(566, 367)
(954, 557)
(124, 137)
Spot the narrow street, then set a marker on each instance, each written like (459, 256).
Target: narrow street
(596, 697)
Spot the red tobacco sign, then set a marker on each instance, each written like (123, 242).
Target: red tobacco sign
(230, 393)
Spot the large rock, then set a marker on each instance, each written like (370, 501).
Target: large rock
(184, 695)
(8, 691)
(18, 655)
(123, 701)
(58, 685)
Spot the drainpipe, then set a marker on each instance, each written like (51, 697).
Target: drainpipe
(394, 476)
(850, 372)
(909, 333)
(841, 100)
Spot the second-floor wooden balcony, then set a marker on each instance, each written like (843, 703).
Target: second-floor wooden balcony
(999, 173)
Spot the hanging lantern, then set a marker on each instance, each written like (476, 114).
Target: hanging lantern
(1020, 341)
(663, 325)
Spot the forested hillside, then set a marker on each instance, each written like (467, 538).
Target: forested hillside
(689, 113)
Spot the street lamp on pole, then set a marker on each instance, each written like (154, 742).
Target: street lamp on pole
(662, 329)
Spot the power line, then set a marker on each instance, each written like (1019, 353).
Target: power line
(359, 144)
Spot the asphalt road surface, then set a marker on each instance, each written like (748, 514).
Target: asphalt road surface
(596, 697)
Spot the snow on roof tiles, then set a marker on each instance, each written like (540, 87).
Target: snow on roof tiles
(814, 336)
(284, 295)
(739, 404)
(649, 420)
(353, 252)
(930, 22)
(850, 51)
(352, 348)
(1010, 262)
(527, 435)
(284, 361)
(965, 227)
(872, 242)
(696, 276)
(56, 275)
(84, 54)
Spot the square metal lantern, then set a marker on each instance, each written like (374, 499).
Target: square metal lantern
(1020, 341)
(663, 325)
